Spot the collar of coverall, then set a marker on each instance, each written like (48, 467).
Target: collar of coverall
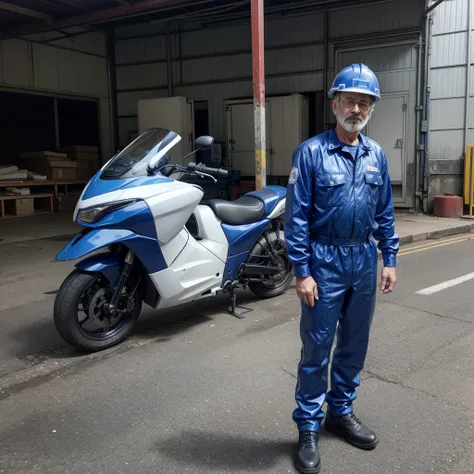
(335, 143)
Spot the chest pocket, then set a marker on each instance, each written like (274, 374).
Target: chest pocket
(373, 183)
(331, 190)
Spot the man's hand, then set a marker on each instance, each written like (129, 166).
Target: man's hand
(307, 290)
(389, 280)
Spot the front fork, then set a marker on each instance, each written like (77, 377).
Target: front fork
(111, 308)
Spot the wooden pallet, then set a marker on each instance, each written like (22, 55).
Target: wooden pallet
(52, 189)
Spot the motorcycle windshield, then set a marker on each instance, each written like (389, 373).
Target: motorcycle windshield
(146, 149)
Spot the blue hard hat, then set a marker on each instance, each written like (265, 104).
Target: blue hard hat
(356, 78)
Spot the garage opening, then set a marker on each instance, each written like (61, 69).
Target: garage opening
(78, 122)
(50, 149)
(26, 124)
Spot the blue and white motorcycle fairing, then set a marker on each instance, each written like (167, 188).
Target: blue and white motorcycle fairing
(160, 243)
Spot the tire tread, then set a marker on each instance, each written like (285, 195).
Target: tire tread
(65, 307)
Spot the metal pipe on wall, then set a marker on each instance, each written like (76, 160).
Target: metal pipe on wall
(432, 7)
(418, 135)
(426, 110)
(326, 64)
(258, 59)
(169, 65)
(180, 53)
(468, 77)
(427, 27)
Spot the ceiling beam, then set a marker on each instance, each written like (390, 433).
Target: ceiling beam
(433, 6)
(101, 16)
(24, 11)
(64, 3)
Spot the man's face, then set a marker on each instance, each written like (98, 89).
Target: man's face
(352, 111)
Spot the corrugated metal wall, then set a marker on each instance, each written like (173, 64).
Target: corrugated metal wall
(74, 67)
(396, 69)
(448, 75)
(215, 64)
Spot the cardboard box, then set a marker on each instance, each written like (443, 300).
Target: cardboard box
(77, 153)
(79, 149)
(62, 174)
(43, 155)
(87, 159)
(86, 169)
(55, 166)
(20, 207)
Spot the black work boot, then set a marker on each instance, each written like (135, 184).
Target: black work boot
(352, 430)
(307, 459)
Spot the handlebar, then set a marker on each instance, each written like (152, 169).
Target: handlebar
(205, 169)
(193, 167)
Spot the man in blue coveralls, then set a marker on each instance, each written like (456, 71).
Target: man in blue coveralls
(339, 200)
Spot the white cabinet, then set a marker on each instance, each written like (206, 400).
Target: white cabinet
(287, 125)
(289, 128)
(172, 113)
(388, 128)
(241, 136)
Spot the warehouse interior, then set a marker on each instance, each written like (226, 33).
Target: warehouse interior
(81, 80)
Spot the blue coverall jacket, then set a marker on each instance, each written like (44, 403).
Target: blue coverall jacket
(339, 199)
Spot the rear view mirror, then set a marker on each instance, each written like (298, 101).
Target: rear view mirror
(204, 142)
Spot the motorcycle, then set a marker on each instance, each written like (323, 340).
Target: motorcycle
(152, 240)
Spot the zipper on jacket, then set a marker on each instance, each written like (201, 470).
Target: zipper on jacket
(355, 197)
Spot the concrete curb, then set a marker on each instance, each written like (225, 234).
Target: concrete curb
(445, 232)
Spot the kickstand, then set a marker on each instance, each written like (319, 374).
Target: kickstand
(232, 309)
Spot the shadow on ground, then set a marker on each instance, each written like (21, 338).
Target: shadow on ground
(36, 341)
(225, 452)
(40, 340)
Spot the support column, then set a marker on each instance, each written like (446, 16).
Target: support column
(56, 122)
(112, 73)
(169, 63)
(258, 59)
(326, 67)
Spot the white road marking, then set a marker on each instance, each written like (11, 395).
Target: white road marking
(445, 284)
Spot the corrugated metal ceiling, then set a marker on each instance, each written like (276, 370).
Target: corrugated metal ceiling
(23, 17)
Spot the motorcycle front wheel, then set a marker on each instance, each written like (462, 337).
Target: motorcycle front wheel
(79, 314)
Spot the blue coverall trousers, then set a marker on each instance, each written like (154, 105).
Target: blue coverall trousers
(346, 275)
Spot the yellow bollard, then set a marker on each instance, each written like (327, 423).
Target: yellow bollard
(469, 179)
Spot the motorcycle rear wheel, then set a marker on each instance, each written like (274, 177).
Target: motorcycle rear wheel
(84, 292)
(273, 285)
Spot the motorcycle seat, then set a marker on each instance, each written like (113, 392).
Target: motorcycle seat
(244, 210)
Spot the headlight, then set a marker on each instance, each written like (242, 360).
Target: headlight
(90, 215)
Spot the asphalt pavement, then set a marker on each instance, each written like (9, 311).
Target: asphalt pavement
(196, 390)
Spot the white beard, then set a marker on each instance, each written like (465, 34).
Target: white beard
(353, 126)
